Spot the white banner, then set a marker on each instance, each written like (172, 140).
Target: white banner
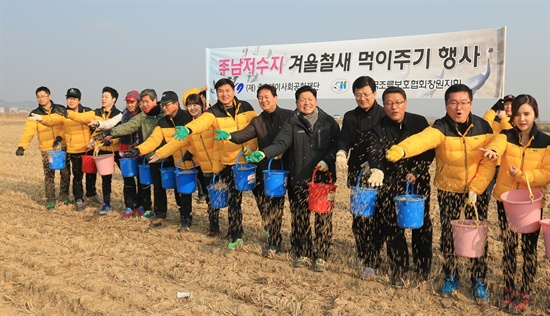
(423, 65)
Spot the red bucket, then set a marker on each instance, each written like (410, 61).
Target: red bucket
(321, 195)
(88, 164)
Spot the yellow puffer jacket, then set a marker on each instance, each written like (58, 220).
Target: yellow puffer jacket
(460, 165)
(77, 135)
(533, 160)
(498, 125)
(46, 134)
(162, 134)
(201, 146)
(98, 115)
(217, 117)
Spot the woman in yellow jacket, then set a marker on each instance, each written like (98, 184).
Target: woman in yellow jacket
(525, 156)
(201, 146)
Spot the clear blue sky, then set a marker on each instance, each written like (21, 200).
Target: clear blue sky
(161, 44)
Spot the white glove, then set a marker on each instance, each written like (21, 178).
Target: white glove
(472, 197)
(36, 117)
(341, 160)
(376, 178)
(322, 166)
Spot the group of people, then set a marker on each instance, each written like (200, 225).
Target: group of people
(387, 144)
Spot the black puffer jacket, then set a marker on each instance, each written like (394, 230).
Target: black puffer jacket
(265, 128)
(355, 126)
(307, 146)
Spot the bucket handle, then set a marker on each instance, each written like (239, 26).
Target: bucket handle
(180, 161)
(238, 158)
(315, 171)
(96, 151)
(359, 178)
(531, 196)
(475, 210)
(269, 165)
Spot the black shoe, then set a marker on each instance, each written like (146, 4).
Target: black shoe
(214, 233)
(398, 280)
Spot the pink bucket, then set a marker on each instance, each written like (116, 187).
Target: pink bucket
(523, 210)
(545, 223)
(469, 237)
(105, 164)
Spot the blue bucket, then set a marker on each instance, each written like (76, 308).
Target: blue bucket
(128, 167)
(56, 159)
(410, 208)
(218, 193)
(167, 176)
(275, 181)
(145, 173)
(245, 175)
(186, 179)
(362, 200)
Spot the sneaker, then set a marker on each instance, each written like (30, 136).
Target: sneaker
(139, 211)
(147, 214)
(450, 284)
(129, 213)
(67, 201)
(157, 222)
(368, 272)
(480, 291)
(79, 205)
(236, 244)
(320, 265)
(506, 298)
(519, 304)
(184, 229)
(51, 205)
(106, 209)
(93, 199)
(302, 262)
(270, 251)
(214, 233)
(398, 280)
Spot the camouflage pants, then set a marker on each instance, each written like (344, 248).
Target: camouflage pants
(49, 179)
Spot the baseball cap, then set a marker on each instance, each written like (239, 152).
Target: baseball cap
(132, 96)
(168, 96)
(509, 97)
(74, 93)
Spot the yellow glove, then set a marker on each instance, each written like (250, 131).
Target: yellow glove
(395, 153)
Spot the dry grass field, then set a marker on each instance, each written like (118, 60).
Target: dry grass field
(63, 262)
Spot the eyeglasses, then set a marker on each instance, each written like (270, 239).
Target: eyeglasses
(396, 103)
(456, 103)
(359, 96)
(166, 104)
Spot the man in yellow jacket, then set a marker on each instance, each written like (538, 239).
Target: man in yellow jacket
(231, 115)
(47, 137)
(77, 136)
(462, 175)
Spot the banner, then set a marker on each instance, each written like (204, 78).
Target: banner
(423, 65)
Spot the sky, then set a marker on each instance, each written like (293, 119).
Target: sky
(161, 44)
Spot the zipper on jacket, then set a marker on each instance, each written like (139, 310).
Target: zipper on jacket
(206, 151)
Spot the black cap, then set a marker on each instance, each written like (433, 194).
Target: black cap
(509, 97)
(74, 92)
(168, 96)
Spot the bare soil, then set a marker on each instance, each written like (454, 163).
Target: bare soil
(64, 262)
